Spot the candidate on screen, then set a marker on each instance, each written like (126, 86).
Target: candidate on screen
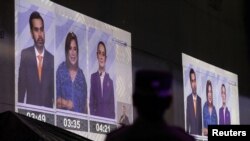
(224, 114)
(101, 87)
(193, 111)
(209, 111)
(71, 87)
(36, 71)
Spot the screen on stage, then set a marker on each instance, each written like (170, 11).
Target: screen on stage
(210, 96)
(71, 70)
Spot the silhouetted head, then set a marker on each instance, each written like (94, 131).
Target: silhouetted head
(153, 93)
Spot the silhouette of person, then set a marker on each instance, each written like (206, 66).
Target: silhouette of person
(124, 118)
(152, 96)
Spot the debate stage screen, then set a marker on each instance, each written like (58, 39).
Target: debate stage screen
(210, 96)
(83, 81)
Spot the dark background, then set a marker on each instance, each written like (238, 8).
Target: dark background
(214, 31)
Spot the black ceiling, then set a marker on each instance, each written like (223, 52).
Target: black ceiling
(214, 31)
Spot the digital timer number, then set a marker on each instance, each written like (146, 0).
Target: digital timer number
(71, 123)
(103, 128)
(41, 117)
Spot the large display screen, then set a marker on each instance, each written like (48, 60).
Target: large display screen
(210, 96)
(71, 70)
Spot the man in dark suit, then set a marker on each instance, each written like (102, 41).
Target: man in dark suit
(152, 96)
(224, 114)
(36, 71)
(101, 89)
(193, 111)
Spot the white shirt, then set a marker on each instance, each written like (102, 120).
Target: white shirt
(194, 97)
(102, 74)
(37, 54)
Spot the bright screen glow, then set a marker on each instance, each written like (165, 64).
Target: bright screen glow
(214, 93)
(83, 82)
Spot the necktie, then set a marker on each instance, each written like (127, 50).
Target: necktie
(224, 115)
(100, 74)
(195, 107)
(40, 58)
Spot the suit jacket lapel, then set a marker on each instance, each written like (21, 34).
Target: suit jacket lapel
(99, 88)
(46, 66)
(44, 71)
(105, 83)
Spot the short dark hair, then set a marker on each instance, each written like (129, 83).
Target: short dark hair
(153, 93)
(152, 81)
(223, 85)
(35, 15)
(102, 43)
(191, 72)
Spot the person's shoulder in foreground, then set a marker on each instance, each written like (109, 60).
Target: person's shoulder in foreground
(181, 134)
(130, 133)
(152, 96)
